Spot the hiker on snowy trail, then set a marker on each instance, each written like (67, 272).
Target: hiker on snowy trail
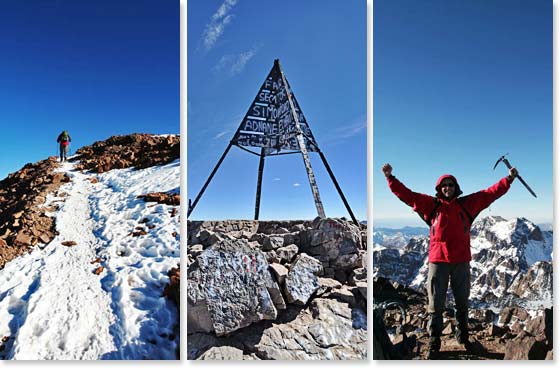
(64, 141)
(449, 217)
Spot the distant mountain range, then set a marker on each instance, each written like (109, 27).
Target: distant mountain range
(511, 261)
(397, 238)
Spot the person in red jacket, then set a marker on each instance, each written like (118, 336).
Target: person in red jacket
(450, 217)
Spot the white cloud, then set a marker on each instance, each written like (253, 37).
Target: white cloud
(218, 23)
(297, 185)
(276, 179)
(220, 134)
(234, 64)
(352, 129)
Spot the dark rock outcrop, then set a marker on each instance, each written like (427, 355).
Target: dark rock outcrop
(23, 220)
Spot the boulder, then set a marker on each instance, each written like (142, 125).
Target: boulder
(273, 242)
(302, 281)
(230, 283)
(338, 240)
(525, 347)
(542, 326)
(328, 330)
(287, 253)
(222, 353)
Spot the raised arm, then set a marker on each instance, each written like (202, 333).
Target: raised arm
(478, 201)
(421, 203)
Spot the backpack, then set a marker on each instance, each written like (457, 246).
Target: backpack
(64, 137)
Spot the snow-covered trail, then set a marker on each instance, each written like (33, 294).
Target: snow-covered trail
(53, 305)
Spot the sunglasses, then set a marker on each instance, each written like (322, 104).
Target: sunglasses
(450, 185)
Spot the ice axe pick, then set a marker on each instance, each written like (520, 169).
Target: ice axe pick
(506, 162)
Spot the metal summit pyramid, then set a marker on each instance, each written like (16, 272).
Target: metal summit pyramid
(275, 123)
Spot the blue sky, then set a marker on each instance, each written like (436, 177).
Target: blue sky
(456, 85)
(231, 46)
(95, 69)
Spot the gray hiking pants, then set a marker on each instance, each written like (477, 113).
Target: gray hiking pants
(63, 152)
(439, 276)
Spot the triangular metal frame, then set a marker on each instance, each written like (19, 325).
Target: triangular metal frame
(276, 124)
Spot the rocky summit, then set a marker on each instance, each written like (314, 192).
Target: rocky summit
(512, 333)
(276, 290)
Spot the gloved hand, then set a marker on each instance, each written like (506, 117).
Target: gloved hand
(387, 170)
(513, 173)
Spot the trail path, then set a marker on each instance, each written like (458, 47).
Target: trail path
(53, 305)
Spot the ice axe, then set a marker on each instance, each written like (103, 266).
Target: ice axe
(506, 162)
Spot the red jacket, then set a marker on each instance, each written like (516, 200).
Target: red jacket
(450, 223)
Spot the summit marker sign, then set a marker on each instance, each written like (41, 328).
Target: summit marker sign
(270, 123)
(276, 124)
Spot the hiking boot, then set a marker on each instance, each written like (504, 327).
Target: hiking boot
(462, 335)
(433, 349)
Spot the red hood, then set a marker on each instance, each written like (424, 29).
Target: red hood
(458, 191)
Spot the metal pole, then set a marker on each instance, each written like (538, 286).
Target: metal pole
(259, 183)
(303, 148)
(339, 190)
(191, 208)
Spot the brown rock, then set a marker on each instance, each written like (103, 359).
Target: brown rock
(69, 243)
(525, 347)
(44, 238)
(98, 270)
(541, 326)
(173, 289)
(57, 178)
(22, 240)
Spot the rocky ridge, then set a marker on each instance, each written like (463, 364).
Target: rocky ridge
(276, 290)
(133, 150)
